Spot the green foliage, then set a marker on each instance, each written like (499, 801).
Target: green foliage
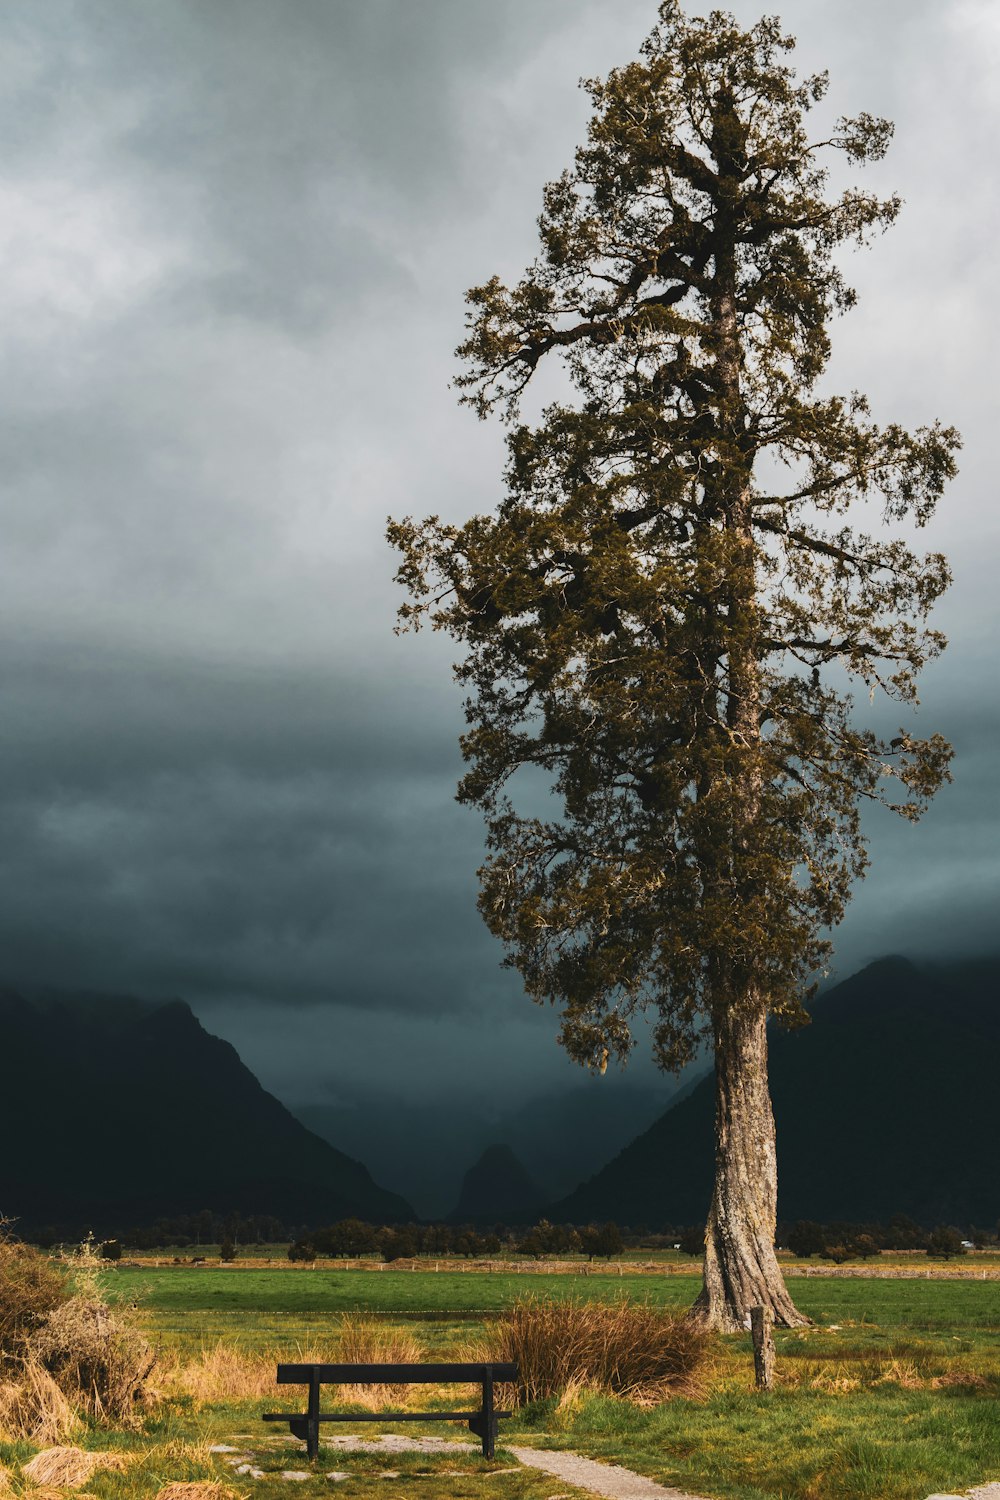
(692, 1241)
(227, 1250)
(601, 1239)
(903, 1400)
(666, 612)
(397, 1243)
(302, 1250)
(945, 1242)
(858, 1246)
(805, 1238)
(350, 1237)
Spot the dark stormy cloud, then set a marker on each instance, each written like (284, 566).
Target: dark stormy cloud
(235, 238)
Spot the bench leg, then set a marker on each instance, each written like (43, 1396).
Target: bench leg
(312, 1419)
(489, 1420)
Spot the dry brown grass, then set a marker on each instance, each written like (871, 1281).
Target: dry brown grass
(363, 1342)
(69, 1468)
(33, 1407)
(98, 1360)
(51, 1492)
(30, 1287)
(620, 1348)
(225, 1372)
(199, 1489)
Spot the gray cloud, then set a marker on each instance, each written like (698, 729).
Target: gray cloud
(235, 239)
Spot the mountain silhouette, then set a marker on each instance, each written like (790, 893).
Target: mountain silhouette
(120, 1111)
(885, 1103)
(497, 1189)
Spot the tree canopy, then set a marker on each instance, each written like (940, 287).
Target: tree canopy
(669, 609)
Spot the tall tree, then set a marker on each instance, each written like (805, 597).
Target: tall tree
(666, 612)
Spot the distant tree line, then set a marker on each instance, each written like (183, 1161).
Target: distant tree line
(840, 1241)
(353, 1238)
(183, 1230)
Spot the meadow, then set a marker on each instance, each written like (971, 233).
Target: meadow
(893, 1394)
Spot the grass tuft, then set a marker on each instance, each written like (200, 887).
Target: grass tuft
(33, 1407)
(619, 1348)
(224, 1372)
(68, 1468)
(364, 1342)
(202, 1489)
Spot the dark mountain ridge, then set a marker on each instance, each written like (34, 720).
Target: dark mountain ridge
(121, 1111)
(497, 1189)
(885, 1103)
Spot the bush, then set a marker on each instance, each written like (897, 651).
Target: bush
(945, 1243)
(98, 1361)
(398, 1244)
(301, 1250)
(805, 1238)
(601, 1239)
(31, 1287)
(227, 1250)
(619, 1348)
(111, 1250)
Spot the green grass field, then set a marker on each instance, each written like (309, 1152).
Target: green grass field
(893, 1394)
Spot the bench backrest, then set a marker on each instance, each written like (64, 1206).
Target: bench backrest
(394, 1374)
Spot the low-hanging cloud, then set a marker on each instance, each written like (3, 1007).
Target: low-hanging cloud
(235, 242)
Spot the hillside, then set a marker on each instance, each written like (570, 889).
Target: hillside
(884, 1104)
(119, 1111)
(498, 1190)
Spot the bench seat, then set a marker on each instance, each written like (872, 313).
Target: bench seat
(306, 1424)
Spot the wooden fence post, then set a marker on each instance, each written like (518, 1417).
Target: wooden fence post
(761, 1325)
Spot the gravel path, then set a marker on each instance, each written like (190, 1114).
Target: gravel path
(609, 1480)
(984, 1492)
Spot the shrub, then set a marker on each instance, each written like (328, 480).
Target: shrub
(398, 1244)
(692, 1240)
(227, 1250)
(945, 1243)
(301, 1250)
(31, 1286)
(601, 1239)
(805, 1238)
(619, 1348)
(98, 1361)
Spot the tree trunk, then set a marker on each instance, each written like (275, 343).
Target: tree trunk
(741, 1268)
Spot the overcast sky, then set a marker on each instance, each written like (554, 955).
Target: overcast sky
(235, 238)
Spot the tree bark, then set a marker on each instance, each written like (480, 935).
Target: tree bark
(741, 1268)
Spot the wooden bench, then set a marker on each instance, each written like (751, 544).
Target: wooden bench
(306, 1424)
